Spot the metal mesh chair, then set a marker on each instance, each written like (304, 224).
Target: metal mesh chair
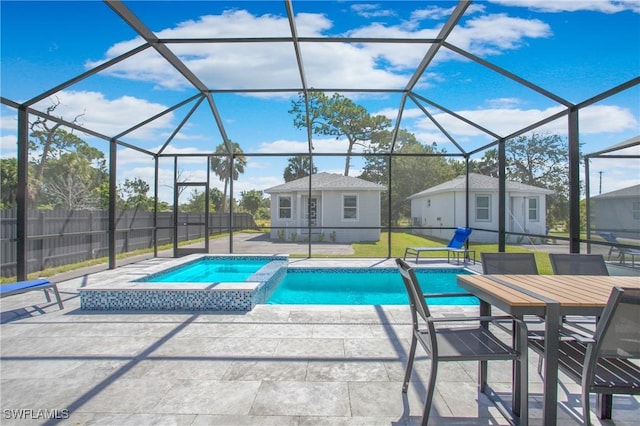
(578, 264)
(471, 341)
(602, 363)
(509, 263)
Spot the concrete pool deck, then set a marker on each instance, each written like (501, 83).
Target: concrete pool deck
(275, 365)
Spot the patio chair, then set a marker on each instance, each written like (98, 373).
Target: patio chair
(611, 238)
(578, 264)
(32, 285)
(456, 246)
(602, 363)
(509, 263)
(470, 341)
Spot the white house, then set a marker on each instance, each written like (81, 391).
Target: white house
(444, 206)
(617, 212)
(337, 203)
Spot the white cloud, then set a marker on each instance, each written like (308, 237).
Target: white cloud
(593, 120)
(8, 134)
(8, 146)
(109, 117)
(503, 102)
(370, 10)
(273, 65)
(392, 113)
(493, 34)
(283, 146)
(606, 118)
(431, 12)
(604, 6)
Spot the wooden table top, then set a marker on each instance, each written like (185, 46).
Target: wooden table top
(567, 290)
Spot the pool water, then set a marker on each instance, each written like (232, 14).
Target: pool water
(208, 270)
(384, 286)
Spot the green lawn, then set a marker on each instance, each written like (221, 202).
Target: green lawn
(401, 240)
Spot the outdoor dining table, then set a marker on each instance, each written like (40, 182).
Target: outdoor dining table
(550, 297)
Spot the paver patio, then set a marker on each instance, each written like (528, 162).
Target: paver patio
(275, 365)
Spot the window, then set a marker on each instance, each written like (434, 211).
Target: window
(635, 210)
(532, 205)
(483, 202)
(284, 207)
(350, 207)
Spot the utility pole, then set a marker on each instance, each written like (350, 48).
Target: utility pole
(600, 191)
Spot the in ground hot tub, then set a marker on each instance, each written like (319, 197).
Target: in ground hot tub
(193, 283)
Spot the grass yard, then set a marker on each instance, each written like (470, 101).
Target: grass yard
(400, 241)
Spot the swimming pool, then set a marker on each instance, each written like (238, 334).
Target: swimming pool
(364, 286)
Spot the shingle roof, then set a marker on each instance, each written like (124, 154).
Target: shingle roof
(326, 181)
(478, 182)
(631, 191)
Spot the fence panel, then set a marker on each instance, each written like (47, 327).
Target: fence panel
(62, 237)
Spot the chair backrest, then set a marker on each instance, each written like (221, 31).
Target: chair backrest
(509, 263)
(459, 238)
(618, 331)
(417, 300)
(578, 264)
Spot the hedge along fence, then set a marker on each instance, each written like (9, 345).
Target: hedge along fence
(63, 237)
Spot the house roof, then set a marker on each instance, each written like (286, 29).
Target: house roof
(630, 191)
(478, 182)
(326, 181)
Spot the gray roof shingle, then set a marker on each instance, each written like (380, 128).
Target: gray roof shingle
(478, 182)
(326, 181)
(630, 192)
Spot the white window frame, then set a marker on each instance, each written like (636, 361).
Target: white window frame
(487, 208)
(357, 208)
(280, 208)
(535, 210)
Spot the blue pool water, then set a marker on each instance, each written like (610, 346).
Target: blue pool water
(208, 270)
(313, 286)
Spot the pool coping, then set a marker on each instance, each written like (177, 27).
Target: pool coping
(119, 290)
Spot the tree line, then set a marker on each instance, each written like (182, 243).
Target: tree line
(66, 172)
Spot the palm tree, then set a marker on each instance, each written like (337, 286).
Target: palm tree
(221, 166)
(298, 167)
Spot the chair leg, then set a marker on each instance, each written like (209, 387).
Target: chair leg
(585, 405)
(46, 294)
(407, 373)
(524, 390)
(604, 406)
(540, 360)
(58, 298)
(430, 390)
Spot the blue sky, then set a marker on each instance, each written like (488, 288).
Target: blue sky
(575, 49)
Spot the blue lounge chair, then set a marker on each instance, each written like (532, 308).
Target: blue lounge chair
(455, 246)
(32, 285)
(611, 238)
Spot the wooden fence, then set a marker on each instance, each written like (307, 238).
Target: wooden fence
(62, 237)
